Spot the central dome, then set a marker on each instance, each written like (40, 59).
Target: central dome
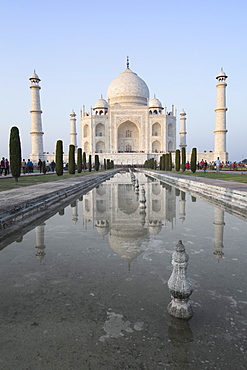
(128, 89)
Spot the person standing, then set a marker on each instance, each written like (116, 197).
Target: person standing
(3, 166)
(217, 164)
(7, 166)
(23, 165)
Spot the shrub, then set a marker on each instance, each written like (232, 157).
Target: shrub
(183, 159)
(79, 160)
(193, 160)
(96, 160)
(59, 158)
(84, 161)
(15, 152)
(71, 159)
(89, 163)
(44, 167)
(177, 160)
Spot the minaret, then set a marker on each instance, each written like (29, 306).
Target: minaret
(183, 132)
(73, 133)
(220, 124)
(36, 130)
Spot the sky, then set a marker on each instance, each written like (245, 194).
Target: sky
(78, 47)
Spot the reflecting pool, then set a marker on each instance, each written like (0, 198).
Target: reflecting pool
(87, 288)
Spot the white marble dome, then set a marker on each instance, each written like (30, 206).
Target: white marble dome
(154, 103)
(128, 89)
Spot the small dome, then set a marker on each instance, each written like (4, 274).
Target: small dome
(128, 89)
(221, 74)
(101, 103)
(183, 113)
(154, 103)
(34, 76)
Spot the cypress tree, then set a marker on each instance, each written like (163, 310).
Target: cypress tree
(193, 160)
(108, 164)
(177, 160)
(79, 160)
(105, 166)
(167, 161)
(84, 161)
(161, 159)
(59, 158)
(96, 162)
(163, 162)
(89, 163)
(112, 164)
(44, 167)
(71, 159)
(15, 152)
(170, 161)
(183, 159)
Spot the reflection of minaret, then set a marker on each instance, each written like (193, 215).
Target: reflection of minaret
(40, 241)
(36, 130)
(74, 207)
(182, 202)
(218, 231)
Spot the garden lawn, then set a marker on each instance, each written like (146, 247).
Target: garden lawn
(241, 177)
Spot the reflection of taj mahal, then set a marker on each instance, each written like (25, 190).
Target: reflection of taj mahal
(114, 208)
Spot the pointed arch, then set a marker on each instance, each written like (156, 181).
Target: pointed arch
(170, 129)
(86, 130)
(156, 146)
(170, 146)
(100, 129)
(128, 137)
(86, 147)
(156, 129)
(100, 147)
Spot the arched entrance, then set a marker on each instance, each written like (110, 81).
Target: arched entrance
(128, 137)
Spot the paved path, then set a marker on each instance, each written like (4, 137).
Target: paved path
(18, 203)
(234, 185)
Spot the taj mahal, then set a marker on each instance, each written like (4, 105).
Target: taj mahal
(129, 127)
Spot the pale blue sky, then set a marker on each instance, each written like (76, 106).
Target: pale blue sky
(78, 47)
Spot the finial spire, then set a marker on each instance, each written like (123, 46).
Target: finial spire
(127, 62)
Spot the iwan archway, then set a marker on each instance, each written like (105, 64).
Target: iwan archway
(128, 137)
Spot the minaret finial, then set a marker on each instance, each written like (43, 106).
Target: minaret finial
(128, 62)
